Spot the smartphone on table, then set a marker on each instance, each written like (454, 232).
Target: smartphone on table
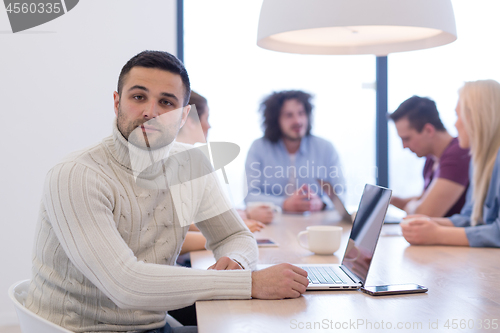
(266, 242)
(394, 289)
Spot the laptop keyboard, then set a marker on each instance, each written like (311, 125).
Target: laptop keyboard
(322, 275)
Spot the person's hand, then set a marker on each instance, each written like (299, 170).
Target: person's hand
(260, 213)
(399, 202)
(315, 204)
(254, 225)
(225, 263)
(420, 230)
(303, 200)
(279, 281)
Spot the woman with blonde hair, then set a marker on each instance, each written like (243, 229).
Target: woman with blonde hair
(478, 224)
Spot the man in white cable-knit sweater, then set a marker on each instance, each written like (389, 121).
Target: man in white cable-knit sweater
(113, 218)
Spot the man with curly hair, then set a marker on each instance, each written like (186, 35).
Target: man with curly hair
(283, 166)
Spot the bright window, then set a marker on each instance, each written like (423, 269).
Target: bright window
(438, 73)
(227, 67)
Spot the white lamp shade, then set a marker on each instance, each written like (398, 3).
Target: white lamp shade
(375, 27)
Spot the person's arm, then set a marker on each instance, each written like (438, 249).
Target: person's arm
(485, 235)
(253, 225)
(224, 229)
(453, 236)
(227, 236)
(194, 241)
(279, 281)
(443, 221)
(276, 282)
(262, 213)
(422, 230)
(438, 199)
(401, 202)
(79, 205)
(488, 234)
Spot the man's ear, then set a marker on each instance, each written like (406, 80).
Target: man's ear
(116, 102)
(188, 124)
(429, 129)
(185, 112)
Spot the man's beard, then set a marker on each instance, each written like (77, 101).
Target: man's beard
(166, 130)
(297, 137)
(292, 138)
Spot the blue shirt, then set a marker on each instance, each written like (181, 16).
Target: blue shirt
(268, 168)
(487, 234)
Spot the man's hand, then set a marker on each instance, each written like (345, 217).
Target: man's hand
(303, 200)
(225, 263)
(420, 230)
(401, 202)
(260, 213)
(279, 281)
(254, 225)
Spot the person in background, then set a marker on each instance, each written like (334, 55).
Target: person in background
(191, 134)
(284, 165)
(478, 224)
(446, 169)
(195, 130)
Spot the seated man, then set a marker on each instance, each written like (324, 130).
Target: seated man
(446, 170)
(283, 166)
(114, 216)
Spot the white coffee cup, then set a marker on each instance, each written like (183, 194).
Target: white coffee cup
(321, 239)
(274, 208)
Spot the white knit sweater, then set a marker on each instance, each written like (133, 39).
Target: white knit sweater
(106, 243)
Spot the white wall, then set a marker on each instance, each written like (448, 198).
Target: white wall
(56, 85)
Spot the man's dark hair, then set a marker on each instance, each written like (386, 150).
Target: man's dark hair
(420, 111)
(271, 110)
(161, 60)
(200, 102)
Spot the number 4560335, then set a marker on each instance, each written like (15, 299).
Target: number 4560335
(41, 8)
(486, 324)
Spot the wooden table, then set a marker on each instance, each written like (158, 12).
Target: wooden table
(463, 296)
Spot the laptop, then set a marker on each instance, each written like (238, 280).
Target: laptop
(352, 273)
(340, 208)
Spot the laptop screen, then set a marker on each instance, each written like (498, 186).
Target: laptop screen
(366, 230)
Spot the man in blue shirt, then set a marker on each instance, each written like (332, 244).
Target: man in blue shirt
(283, 166)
